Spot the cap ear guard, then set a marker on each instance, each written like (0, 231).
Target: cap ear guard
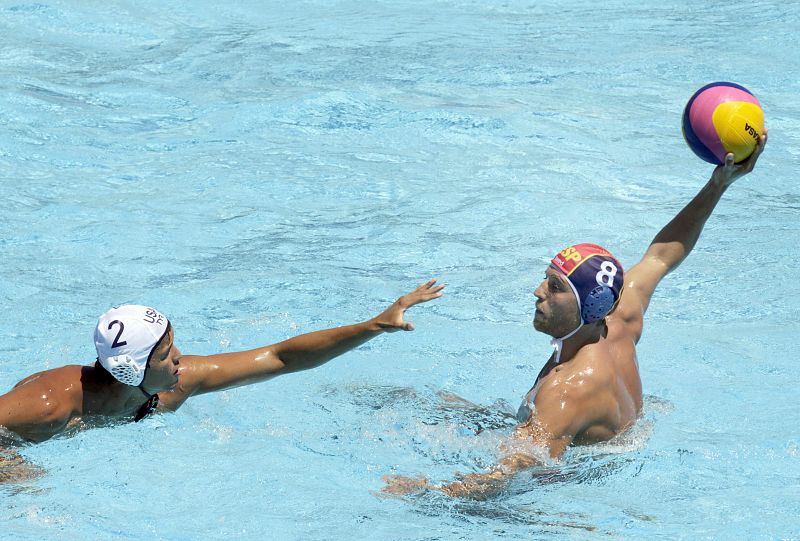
(597, 304)
(125, 369)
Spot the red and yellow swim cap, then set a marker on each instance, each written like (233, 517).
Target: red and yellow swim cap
(595, 277)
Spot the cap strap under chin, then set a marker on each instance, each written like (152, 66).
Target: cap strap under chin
(558, 343)
(147, 408)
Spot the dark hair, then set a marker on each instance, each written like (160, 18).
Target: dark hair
(157, 344)
(103, 375)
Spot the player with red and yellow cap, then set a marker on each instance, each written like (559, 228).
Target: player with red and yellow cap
(589, 390)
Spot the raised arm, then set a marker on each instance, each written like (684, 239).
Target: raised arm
(223, 371)
(676, 240)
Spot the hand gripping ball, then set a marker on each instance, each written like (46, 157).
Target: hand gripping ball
(722, 118)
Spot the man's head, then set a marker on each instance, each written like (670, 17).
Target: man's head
(134, 344)
(582, 285)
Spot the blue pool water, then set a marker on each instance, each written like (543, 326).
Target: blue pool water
(265, 169)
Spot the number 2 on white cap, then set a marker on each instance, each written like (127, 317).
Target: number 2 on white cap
(117, 343)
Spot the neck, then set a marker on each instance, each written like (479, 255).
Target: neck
(567, 347)
(115, 399)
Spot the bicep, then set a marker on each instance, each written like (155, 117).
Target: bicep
(548, 431)
(562, 414)
(228, 370)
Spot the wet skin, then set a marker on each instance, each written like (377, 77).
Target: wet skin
(594, 393)
(51, 402)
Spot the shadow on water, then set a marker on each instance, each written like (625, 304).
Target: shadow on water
(429, 407)
(439, 427)
(487, 513)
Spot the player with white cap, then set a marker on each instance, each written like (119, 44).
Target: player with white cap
(139, 369)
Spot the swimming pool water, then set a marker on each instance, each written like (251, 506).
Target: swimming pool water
(265, 169)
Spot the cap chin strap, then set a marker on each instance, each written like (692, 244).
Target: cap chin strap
(150, 404)
(148, 407)
(558, 343)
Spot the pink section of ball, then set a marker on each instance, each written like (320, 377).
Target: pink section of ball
(702, 112)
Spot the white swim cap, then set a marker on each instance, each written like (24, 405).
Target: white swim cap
(125, 336)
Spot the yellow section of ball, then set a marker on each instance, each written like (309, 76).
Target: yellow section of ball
(738, 125)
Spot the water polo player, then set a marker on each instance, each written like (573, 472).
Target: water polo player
(140, 370)
(589, 390)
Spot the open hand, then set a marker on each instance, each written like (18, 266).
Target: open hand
(391, 319)
(728, 172)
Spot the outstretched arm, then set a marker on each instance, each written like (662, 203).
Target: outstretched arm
(217, 372)
(676, 240)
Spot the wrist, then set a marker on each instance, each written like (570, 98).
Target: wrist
(718, 184)
(374, 326)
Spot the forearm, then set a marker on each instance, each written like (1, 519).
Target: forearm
(316, 348)
(677, 239)
(484, 485)
(476, 486)
(227, 370)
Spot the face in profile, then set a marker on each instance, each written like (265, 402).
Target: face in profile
(163, 365)
(557, 311)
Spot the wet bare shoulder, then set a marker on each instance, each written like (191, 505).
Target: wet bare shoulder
(54, 376)
(41, 405)
(621, 328)
(579, 378)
